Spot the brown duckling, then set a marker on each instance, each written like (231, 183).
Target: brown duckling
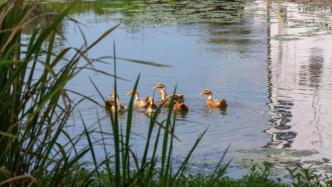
(211, 102)
(164, 98)
(149, 104)
(138, 103)
(179, 105)
(110, 103)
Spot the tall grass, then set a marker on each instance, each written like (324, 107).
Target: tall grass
(35, 104)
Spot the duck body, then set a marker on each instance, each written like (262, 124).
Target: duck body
(165, 99)
(166, 102)
(110, 105)
(149, 102)
(216, 103)
(213, 102)
(149, 105)
(138, 103)
(121, 107)
(113, 104)
(179, 105)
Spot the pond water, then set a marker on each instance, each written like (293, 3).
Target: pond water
(272, 62)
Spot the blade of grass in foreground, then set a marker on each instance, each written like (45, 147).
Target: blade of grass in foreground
(126, 159)
(165, 143)
(93, 154)
(115, 127)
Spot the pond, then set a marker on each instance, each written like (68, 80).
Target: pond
(271, 61)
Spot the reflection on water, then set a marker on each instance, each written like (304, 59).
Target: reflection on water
(300, 75)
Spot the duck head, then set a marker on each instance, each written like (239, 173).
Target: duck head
(206, 92)
(159, 86)
(114, 96)
(131, 92)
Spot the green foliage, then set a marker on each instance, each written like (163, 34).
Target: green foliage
(35, 105)
(306, 176)
(259, 176)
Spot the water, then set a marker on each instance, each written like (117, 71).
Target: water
(300, 91)
(274, 69)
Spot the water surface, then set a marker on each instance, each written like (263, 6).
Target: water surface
(272, 62)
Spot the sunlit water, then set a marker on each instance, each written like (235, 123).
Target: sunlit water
(275, 75)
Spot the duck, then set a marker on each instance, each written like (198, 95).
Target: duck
(179, 105)
(164, 98)
(138, 103)
(149, 104)
(111, 102)
(212, 102)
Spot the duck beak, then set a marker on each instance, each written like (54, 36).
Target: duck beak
(201, 94)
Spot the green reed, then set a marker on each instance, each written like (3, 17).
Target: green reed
(35, 103)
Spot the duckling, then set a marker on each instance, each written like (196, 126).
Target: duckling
(211, 102)
(149, 104)
(121, 106)
(165, 98)
(110, 103)
(138, 103)
(179, 105)
(162, 92)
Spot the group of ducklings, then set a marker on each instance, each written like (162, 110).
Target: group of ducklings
(176, 100)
